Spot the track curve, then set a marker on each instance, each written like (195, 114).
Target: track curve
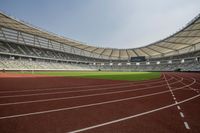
(166, 105)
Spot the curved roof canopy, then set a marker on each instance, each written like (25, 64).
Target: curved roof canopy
(185, 40)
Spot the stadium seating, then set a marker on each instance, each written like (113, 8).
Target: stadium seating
(15, 56)
(24, 64)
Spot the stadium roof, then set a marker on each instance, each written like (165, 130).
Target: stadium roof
(185, 40)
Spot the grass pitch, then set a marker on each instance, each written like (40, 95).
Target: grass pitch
(130, 76)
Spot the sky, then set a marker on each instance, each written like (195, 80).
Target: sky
(106, 23)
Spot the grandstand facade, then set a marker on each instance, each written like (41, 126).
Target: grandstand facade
(25, 47)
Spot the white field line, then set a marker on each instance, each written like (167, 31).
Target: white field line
(178, 107)
(65, 88)
(169, 87)
(90, 105)
(191, 88)
(64, 92)
(174, 98)
(186, 125)
(86, 86)
(80, 96)
(187, 80)
(134, 116)
(181, 113)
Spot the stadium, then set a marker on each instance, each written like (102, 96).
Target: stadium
(53, 84)
(24, 47)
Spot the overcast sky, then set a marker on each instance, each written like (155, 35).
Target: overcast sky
(106, 23)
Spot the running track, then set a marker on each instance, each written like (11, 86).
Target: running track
(38, 104)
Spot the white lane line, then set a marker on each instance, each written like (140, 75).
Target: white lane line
(133, 116)
(89, 105)
(170, 90)
(181, 114)
(86, 86)
(168, 84)
(178, 107)
(186, 125)
(79, 96)
(174, 98)
(66, 88)
(65, 92)
(191, 88)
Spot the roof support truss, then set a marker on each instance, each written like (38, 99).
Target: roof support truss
(135, 52)
(177, 43)
(155, 50)
(128, 53)
(145, 52)
(166, 47)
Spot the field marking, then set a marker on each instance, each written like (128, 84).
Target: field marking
(191, 88)
(178, 107)
(170, 88)
(174, 98)
(89, 105)
(65, 88)
(64, 92)
(77, 87)
(181, 114)
(86, 86)
(186, 125)
(80, 96)
(137, 115)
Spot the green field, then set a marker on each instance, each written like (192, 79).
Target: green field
(130, 76)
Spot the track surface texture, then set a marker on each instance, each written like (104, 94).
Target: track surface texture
(39, 104)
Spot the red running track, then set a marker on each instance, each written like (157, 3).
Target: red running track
(39, 104)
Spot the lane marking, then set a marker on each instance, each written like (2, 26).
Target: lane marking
(73, 97)
(174, 98)
(79, 96)
(178, 107)
(181, 114)
(170, 90)
(186, 125)
(65, 92)
(89, 105)
(65, 88)
(86, 86)
(134, 116)
(191, 88)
